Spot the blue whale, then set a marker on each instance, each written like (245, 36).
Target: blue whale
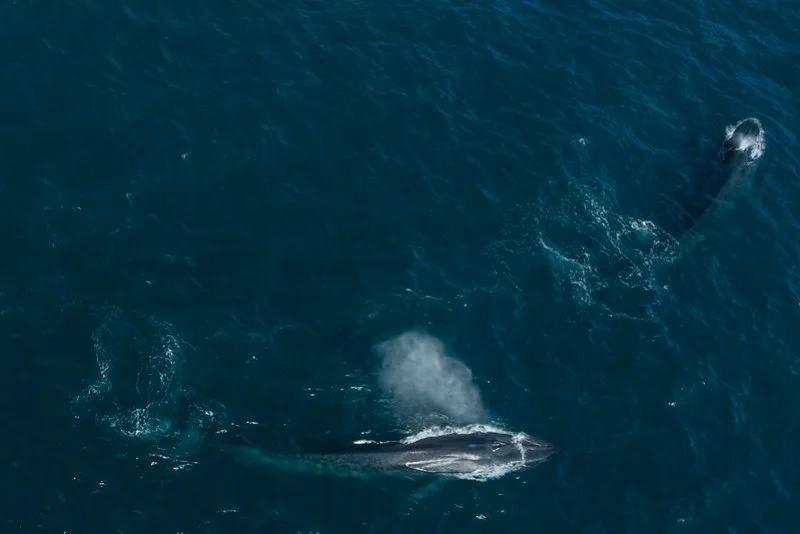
(475, 452)
(740, 154)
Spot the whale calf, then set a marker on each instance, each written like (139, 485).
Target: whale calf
(476, 452)
(740, 154)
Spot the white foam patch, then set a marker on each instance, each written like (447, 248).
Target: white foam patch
(644, 226)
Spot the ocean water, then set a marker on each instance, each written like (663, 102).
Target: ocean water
(214, 211)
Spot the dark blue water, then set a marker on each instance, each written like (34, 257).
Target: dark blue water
(213, 211)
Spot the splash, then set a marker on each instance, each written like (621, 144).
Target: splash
(425, 385)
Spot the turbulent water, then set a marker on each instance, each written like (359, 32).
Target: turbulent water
(216, 215)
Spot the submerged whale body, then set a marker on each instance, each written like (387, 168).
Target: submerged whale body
(476, 452)
(740, 153)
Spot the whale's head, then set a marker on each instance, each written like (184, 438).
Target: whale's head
(531, 451)
(479, 454)
(744, 141)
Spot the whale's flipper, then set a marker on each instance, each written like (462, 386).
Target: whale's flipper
(427, 490)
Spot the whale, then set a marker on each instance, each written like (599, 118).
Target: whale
(475, 452)
(739, 155)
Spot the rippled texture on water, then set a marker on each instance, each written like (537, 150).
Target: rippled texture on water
(213, 212)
